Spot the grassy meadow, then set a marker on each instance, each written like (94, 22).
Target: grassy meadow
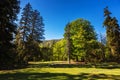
(63, 71)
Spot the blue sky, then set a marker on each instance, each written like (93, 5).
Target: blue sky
(57, 13)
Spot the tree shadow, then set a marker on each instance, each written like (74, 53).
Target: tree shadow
(56, 76)
(52, 65)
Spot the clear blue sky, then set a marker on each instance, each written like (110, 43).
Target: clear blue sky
(57, 13)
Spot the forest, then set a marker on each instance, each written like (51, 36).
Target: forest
(23, 42)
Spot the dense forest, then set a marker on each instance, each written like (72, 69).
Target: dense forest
(24, 41)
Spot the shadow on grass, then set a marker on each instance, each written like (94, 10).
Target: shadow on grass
(56, 76)
(103, 66)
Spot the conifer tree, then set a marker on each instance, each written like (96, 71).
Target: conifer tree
(25, 21)
(112, 31)
(8, 14)
(31, 31)
(37, 28)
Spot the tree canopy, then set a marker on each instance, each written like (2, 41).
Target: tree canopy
(81, 32)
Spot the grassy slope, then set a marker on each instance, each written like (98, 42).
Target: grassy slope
(54, 71)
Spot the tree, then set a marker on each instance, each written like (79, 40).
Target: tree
(35, 36)
(20, 49)
(95, 51)
(112, 31)
(25, 21)
(47, 48)
(67, 36)
(8, 14)
(33, 50)
(37, 29)
(23, 34)
(81, 32)
(59, 50)
(31, 30)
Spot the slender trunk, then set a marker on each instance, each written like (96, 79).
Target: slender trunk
(77, 58)
(68, 46)
(24, 35)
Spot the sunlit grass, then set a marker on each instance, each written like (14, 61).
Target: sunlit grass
(52, 71)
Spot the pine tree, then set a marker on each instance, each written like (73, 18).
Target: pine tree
(37, 28)
(31, 32)
(25, 21)
(8, 14)
(20, 49)
(112, 31)
(36, 35)
(23, 34)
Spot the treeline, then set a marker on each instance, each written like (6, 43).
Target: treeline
(80, 43)
(19, 43)
(53, 50)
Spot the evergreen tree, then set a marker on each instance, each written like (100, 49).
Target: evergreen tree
(25, 21)
(112, 31)
(8, 14)
(37, 29)
(36, 35)
(31, 31)
(23, 34)
(20, 49)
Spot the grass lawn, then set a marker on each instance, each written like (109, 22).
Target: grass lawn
(62, 71)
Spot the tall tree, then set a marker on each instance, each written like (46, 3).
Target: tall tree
(23, 34)
(25, 21)
(81, 32)
(8, 14)
(67, 36)
(36, 34)
(112, 31)
(20, 48)
(31, 31)
(37, 28)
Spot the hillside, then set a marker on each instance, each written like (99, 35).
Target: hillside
(49, 43)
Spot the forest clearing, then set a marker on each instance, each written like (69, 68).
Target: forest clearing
(60, 40)
(53, 71)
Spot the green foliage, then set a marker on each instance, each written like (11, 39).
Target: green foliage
(82, 32)
(25, 21)
(34, 50)
(59, 50)
(95, 52)
(29, 34)
(37, 28)
(47, 49)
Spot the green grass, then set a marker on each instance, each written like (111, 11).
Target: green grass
(62, 71)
